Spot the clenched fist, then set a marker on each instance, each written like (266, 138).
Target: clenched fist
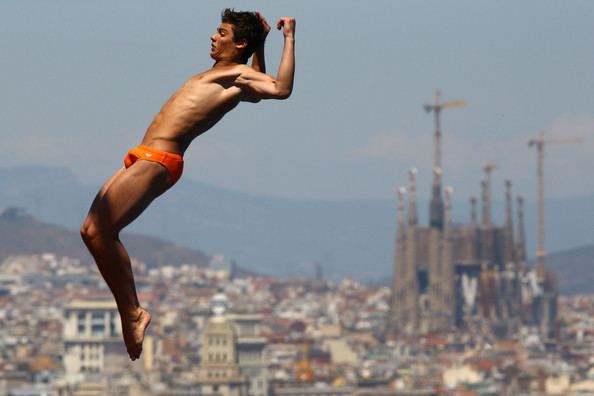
(288, 25)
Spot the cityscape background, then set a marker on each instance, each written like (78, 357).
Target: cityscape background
(280, 238)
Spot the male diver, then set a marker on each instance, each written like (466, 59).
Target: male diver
(156, 164)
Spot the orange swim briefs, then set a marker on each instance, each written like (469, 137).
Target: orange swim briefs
(173, 162)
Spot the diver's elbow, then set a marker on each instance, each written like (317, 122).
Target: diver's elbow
(284, 94)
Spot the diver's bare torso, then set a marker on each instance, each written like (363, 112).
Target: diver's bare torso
(198, 105)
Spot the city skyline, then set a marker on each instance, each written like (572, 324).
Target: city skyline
(275, 338)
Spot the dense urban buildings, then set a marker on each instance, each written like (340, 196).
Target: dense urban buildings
(58, 336)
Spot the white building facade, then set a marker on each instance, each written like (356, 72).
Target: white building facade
(92, 337)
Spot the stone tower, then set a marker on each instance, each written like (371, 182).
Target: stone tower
(219, 373)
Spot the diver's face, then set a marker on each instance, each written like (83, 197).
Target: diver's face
(223, 46)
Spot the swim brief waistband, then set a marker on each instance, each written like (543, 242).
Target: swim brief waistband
(173, 162)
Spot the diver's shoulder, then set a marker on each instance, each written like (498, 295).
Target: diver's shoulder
(227, 70)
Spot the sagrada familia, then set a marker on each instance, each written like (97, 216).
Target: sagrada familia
(450, 276)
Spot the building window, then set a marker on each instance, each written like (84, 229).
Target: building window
(112, 326)
(81, 322)
(97, 324)
(97, 330)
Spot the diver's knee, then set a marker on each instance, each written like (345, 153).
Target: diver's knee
(92, 232)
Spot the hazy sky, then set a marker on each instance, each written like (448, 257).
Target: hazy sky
(80, 82)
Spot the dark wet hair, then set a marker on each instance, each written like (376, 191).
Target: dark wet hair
(246, 26)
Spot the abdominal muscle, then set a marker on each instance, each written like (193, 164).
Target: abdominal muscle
(192, 110)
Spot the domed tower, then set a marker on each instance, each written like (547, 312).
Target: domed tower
(219, 371)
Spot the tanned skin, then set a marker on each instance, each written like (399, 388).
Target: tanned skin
(198, 105)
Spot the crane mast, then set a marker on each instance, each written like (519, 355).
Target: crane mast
(436, 108)
(540, 143)
(436, 206)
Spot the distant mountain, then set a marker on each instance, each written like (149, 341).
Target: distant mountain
(574, 269)
(22, 234)
(276, 236)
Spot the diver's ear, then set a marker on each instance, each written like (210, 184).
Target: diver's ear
(241, 44)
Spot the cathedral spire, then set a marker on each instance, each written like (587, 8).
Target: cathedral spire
(412, 198)
(401, 227)
(489, 168)
(508, 204)
(448, 191)
(509, 228)
(400, 267)
(473, 218)
(485, 210)
(436, 205)
(520, 242)
(400, 237)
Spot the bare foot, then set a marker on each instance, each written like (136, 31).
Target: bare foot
(133, 329)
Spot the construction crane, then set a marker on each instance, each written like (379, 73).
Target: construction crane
(540, 143)
(436, 205)
(436, 108)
